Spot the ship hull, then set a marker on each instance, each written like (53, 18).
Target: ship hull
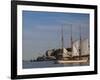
(71, 61)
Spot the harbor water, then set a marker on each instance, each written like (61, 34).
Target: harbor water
(46, 64)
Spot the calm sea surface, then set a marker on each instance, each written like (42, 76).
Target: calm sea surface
(44, 64)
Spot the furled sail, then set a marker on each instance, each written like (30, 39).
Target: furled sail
(85, 47)
(75, 48)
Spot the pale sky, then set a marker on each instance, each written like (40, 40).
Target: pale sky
(42, 31)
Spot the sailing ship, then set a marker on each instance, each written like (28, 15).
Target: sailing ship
(79, 50)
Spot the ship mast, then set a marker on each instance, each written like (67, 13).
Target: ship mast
(80, 43)
(62, 39)
(71, 40)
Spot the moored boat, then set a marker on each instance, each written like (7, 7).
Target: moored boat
(79, 51)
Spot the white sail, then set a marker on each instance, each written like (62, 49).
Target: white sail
(85, 47)
(65, 53)
(75, 48)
